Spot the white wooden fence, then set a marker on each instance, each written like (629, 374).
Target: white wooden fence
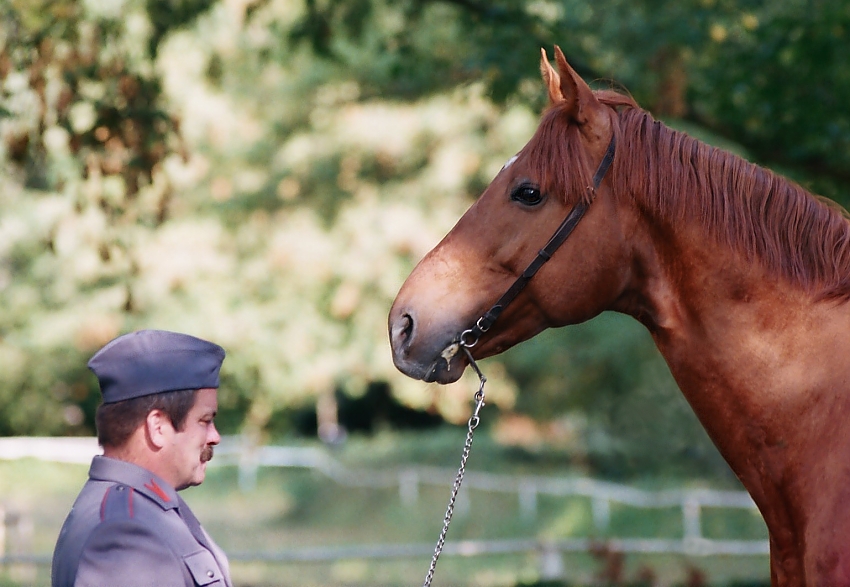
(408, 480)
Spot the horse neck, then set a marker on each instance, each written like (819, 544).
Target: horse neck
(715, 221)
(750, 352)
(687, 284)
(756, 340)
(760, 359)
(699, 279)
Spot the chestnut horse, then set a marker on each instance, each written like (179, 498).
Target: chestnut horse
(741, 277)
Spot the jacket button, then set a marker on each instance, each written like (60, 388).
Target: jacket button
(210, 574)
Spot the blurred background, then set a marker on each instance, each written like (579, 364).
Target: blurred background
(265, 173)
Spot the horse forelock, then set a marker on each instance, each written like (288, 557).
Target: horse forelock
(556, 154)
(556, 158)
(771, 220)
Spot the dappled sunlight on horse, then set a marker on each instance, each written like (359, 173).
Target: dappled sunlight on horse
(741, 277)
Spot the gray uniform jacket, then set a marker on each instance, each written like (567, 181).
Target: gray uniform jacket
(129, 528)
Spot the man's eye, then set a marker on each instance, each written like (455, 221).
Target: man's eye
(527, 194)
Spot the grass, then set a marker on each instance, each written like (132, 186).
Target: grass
(299, 508)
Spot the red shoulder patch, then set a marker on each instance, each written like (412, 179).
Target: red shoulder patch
(154, 486)
(117, 503)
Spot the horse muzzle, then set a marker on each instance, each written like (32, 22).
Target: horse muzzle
(432, 358)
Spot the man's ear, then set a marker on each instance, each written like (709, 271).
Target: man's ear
(158, 428)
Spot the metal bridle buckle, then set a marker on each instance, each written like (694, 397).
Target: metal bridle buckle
(481, 327)
(471, 342)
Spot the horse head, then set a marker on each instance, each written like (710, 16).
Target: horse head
(492, 244)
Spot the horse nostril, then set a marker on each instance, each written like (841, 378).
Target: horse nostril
(407, 326)
(402, 331)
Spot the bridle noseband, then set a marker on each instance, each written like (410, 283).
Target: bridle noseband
(469, 338)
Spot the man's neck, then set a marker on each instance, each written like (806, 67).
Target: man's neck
(131, 452)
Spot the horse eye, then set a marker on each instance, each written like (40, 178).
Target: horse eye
(527, 194)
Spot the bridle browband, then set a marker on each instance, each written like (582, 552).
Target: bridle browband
(469, 338)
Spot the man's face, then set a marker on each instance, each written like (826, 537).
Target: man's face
(192, 446)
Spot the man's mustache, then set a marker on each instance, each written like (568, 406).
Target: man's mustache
(207, 453)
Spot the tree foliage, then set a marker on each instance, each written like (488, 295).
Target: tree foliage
(265, 173)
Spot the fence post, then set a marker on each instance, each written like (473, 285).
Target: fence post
(691, 518)
(408, 487)
(20, 527)
(2, 533)
(601, 509)
(463, 502)
(248, 464)
(551, 563)
(527, 494)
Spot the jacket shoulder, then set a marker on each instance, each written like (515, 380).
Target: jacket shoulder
(125, 551)
(143, 545)
(117, 503)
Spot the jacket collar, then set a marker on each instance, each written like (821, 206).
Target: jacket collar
(140, 479)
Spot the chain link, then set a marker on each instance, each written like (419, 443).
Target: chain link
(474, 420)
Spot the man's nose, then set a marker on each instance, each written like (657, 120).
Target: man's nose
(213, 437)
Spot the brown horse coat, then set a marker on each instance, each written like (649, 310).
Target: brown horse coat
(741, 277)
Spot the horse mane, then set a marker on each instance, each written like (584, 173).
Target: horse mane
(802, 238)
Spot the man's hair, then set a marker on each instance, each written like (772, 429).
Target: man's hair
(116, 422)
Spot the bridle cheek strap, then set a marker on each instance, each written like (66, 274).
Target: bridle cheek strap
(469, 338)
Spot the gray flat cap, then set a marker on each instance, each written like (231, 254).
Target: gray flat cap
(152, 361)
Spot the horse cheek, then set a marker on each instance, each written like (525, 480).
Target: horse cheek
(591, 285)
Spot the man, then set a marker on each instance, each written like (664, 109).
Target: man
(128, 527)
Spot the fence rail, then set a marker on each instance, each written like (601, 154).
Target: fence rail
(234, 451)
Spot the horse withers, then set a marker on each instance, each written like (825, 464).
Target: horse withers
(741, 277)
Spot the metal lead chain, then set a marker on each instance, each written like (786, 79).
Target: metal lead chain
(474, 420)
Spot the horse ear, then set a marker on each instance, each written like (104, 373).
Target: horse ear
(551, 79)
(574, 91)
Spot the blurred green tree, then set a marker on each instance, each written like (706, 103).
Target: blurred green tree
(84, 139)
(266, 172)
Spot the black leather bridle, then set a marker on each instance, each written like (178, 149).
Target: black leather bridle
(469, 338)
